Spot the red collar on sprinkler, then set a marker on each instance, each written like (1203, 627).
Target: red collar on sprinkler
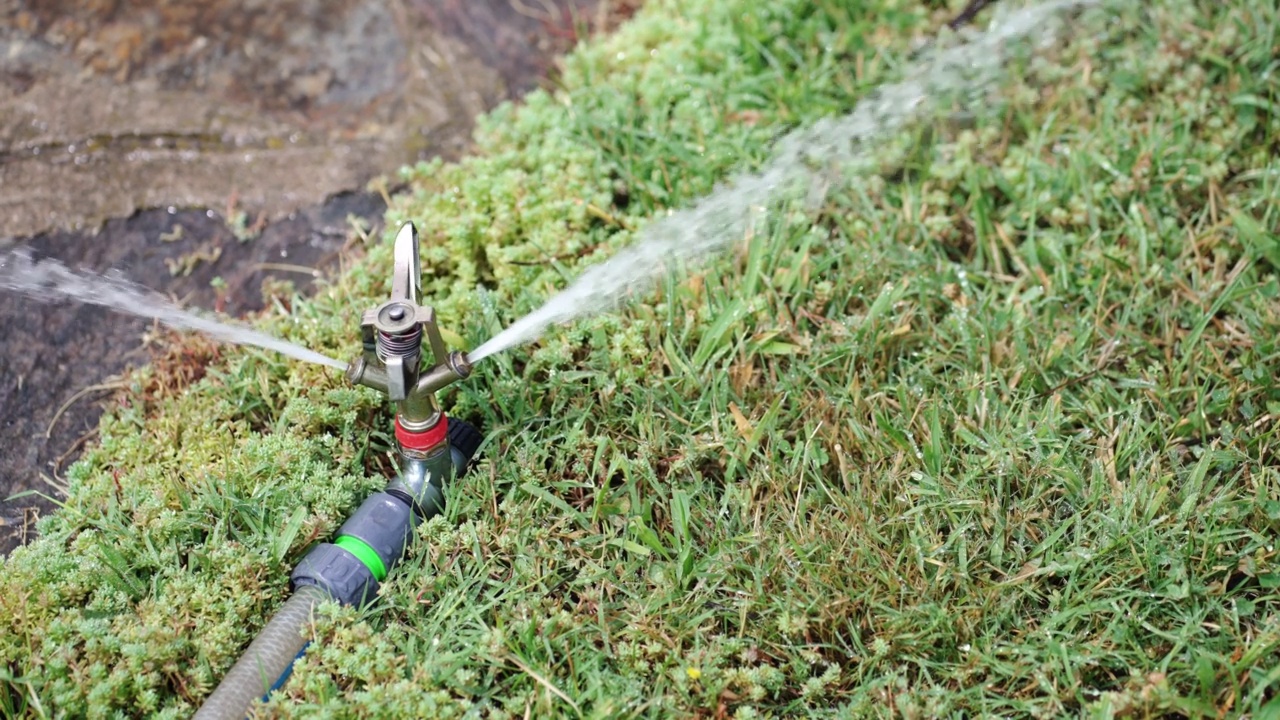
(425, 439)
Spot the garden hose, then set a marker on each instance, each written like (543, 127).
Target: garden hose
(367, 546)
(265, 665)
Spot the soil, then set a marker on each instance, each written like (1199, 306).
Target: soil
(152, 137)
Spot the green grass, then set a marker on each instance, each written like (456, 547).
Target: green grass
(991, 433)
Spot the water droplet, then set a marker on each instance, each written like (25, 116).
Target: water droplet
(172, 210)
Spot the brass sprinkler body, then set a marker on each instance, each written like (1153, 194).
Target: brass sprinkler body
(391, 363)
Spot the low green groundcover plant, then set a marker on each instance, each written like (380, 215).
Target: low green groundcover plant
(992, 431)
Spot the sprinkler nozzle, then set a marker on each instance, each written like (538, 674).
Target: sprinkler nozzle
(461, 364)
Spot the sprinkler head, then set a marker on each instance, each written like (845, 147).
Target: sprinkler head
(393, 333)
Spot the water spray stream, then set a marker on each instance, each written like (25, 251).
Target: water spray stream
(48, 280)
(808, 161)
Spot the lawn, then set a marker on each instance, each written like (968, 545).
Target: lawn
(991, 430)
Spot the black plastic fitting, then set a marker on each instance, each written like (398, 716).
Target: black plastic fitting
(464, 441)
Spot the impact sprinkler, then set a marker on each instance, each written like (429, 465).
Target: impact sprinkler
(432, 450)
(431, 447)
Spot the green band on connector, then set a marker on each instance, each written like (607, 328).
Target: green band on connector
(364, 553)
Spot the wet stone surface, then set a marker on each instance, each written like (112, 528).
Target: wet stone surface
(122, 121)
(117, 106)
